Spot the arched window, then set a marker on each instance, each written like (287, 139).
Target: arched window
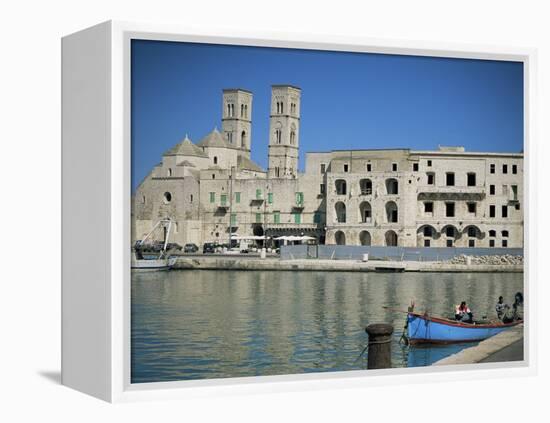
(243, 139)
(492, 233)
(340, 209)
(242, 110)
(364, 238)
(392, 186)
(391, 212)
(246, 111)
(167, 197)
(391, 239)
(282, 108)
(341, 187)
(365, 186)
(292, 137)
(365, 211)
(215, 160)
(505, 234)
(169, 171)
(229, 110)
(340, 238)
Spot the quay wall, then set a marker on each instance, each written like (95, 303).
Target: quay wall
(351, 252)
(274, 264)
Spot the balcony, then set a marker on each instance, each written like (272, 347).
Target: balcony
(432, 192)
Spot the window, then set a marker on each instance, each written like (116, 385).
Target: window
(276, 217)
(504, 211)
(299, 198)
(472, 208)
(213, 176)
(215, 160)
(394, 167)
(429, 163)
(515, 169)
(323, 167)
(415, 167)
(472, 232)
(392, 186)
(233, 219)
(449, 243)
(340, 187)
(223, 199)
(365, 185)
(492, 211)
(505, 190)
(237, 197)
(450, 232)
(322, 188)
(517, 206)
(169, 172)
(450, 179)
(270, 197)
(504, 168)
(431, 178)
(492, 233)
(258, 218)
(369, 167)
(471, 179)
(427, 231)
(346, 168)
(505, 243)
(471, 243)
(167, 197)
(450, 209)
(191, 198)
(491, 243)
(427, 242)
(504, 234)
(492, 168)
(258, 194)
(514, 192)
(491, 190)
(297, 218)
(212, 197)
(428, 207)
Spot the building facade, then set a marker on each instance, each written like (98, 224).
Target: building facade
(394, 197)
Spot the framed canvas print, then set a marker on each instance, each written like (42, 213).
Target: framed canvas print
(242, 212)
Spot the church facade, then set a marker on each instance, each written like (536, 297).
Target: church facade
(385, 197)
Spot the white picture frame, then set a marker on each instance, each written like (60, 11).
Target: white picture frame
(96, 190)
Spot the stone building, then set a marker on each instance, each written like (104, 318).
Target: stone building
(442, 198)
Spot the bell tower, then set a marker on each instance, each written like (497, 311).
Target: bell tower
(284, 131)
(237, 119)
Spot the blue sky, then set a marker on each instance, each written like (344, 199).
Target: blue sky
(349, 100)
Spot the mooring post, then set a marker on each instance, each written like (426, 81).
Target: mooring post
(379, 352)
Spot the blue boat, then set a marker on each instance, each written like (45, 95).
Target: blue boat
(422, 328)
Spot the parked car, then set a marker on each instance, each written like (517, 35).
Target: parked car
(171, 246)
(209, 247)
(190, 248)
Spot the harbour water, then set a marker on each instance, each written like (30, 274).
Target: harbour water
(198, 324)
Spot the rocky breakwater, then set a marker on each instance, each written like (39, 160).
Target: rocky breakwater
(494, 260)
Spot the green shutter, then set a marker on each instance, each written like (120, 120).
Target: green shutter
(297, 218)
(233, 219)
(258, 194)
(276, 217)
(223, 199)
(212, 197)
(317, 218)
(237, 197)
(270, 198)
(299, 198)
(258, 218)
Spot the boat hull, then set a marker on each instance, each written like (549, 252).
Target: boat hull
(431, 330)
(153, 265)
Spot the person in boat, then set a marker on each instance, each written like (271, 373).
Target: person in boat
(501, 308)
(517, 310)
(463, 313)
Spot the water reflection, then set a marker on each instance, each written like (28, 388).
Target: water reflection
(215, 324)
